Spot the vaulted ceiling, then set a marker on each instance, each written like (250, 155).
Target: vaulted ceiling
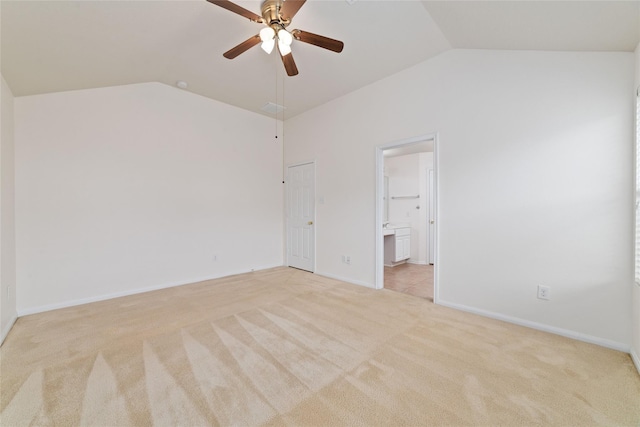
(52, 46)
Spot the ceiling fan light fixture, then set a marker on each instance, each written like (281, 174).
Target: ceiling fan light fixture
(267, 34)
(276, 16)
(268, 45)
(285, 37)
(284, 48)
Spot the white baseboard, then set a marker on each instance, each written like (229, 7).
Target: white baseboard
(345, 279)
(7, 328)
(72, 303)
(417, 262)
(534, 325)
(395, 264)
(540, 326)
(636, 359)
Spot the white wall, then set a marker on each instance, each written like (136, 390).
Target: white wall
(534, 182)
(8, 312)
(635, 301)
(135, 187)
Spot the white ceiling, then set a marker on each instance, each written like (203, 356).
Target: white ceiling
(51, 46)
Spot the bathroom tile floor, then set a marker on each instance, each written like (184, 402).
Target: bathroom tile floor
(412, 279)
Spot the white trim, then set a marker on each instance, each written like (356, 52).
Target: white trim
(346, 280)
(379, 243)
(636, 360)
(417, 262)
(541, 327)
(636, 198)
(436, 218)
(7, 328)
(81, 301)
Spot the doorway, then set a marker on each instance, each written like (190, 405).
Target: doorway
(407, 205)
(300, 218)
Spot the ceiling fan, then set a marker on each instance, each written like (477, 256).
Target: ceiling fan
(276, 16)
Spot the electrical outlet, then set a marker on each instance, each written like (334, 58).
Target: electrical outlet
(544, 292)
(348, 259)
(215, 258)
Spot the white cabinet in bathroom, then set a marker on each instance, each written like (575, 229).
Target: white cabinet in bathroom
(403, 244)
(397, 246)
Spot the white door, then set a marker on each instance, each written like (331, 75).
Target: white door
(301, 217)
(431, 218)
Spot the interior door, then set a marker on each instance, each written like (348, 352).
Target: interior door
(301, 216)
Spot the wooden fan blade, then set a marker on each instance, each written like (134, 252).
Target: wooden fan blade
(226, 4)
(320, 41)
(289, 65)
(290, 8)
(242, 47)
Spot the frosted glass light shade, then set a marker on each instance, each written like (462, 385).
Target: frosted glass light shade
(268, 45)
(285, 49)
(285, 37)
(267, 33)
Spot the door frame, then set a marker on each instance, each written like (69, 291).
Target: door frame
(431, 189)
(286, 207)
(379, 274)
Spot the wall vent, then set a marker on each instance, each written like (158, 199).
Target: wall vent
(272, 108)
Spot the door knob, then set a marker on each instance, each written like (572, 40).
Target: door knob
(310, 223)
(431, 222)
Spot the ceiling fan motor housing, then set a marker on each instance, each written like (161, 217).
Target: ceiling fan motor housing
(271, 14)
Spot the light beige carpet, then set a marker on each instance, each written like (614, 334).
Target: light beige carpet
(285, 347)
